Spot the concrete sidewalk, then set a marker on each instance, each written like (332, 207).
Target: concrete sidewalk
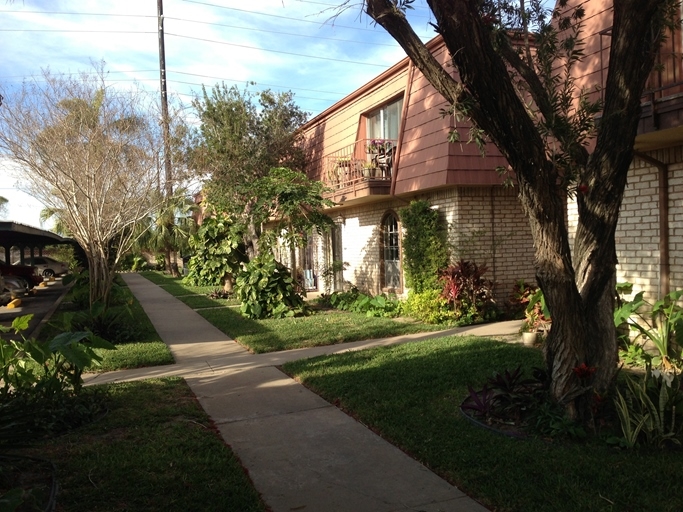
(301, 452)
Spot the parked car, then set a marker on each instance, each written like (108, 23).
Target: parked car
(31, 274)
(17, 286)
(48, 266)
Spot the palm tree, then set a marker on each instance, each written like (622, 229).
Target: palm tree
(169, 228)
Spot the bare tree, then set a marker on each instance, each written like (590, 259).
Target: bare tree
(545, 143)
(90, 153)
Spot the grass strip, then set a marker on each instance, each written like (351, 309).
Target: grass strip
(322, 328)
(411, 393)
(202, 301)
(146, 349)
(174, 285)
(159, 277)
(156, 449)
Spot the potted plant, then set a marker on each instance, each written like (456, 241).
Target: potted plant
(373, 146)
(369, 169)
(537, 318)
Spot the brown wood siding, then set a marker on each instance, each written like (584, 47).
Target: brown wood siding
(426, 158)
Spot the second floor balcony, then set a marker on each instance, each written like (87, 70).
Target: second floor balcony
(362, 168)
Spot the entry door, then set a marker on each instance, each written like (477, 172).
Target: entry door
(391, 253)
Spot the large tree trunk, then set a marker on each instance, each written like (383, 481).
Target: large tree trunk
(101, 276)
(252, 234)
(580, 294)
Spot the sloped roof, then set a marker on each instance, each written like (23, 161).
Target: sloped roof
(13, 233)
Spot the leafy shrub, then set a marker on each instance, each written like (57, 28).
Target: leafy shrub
(344, 300)
(110, 323)
(468, 293)
(428, 307)
(425, 246)
(650, 409)
(536, 315)
(356, 302)
(41, 380)
(79, 294)
(266, 289)
(218, 252)
(133, 262)
(508, 399)
(519, 298)
(159, 262)
(660, 323)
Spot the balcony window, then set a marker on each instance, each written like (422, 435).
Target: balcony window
(383, 123)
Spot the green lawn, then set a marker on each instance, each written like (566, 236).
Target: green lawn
(174, 285)
(146, 349)
(411, 395)
(271, 335)
(194, 296)
(202, 301)
(321, 328)
(156, 449)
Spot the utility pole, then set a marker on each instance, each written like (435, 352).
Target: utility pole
(168, 173)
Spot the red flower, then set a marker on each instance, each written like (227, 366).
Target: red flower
(583, 188)
(583, 371)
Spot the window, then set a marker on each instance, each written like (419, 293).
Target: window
(384, 123)
(390, 252)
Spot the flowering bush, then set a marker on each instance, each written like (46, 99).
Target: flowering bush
(378, 146)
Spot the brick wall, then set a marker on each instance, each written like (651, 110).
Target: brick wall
(637, 237)
(361, 243)
(485, 225)
(491, 229)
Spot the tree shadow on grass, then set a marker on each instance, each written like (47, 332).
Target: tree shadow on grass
(410, 394)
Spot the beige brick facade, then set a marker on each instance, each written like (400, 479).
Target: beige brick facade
(638, 232)
(486, 225)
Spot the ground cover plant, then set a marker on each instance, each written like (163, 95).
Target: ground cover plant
(411, 393)
(137, 342)
(357, 302)
(156, 449)
(321, 328)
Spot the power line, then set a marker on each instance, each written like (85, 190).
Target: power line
(413, 14)
(392, 45)
(259, 83)
(279, 51)
(172, 71)
(77, 31)
(275, 15)
(81, 14)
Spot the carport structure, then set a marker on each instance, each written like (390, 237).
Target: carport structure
(21, 236)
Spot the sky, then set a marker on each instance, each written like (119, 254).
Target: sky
(283, 45)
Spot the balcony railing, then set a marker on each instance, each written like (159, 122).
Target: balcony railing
(365, 160)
